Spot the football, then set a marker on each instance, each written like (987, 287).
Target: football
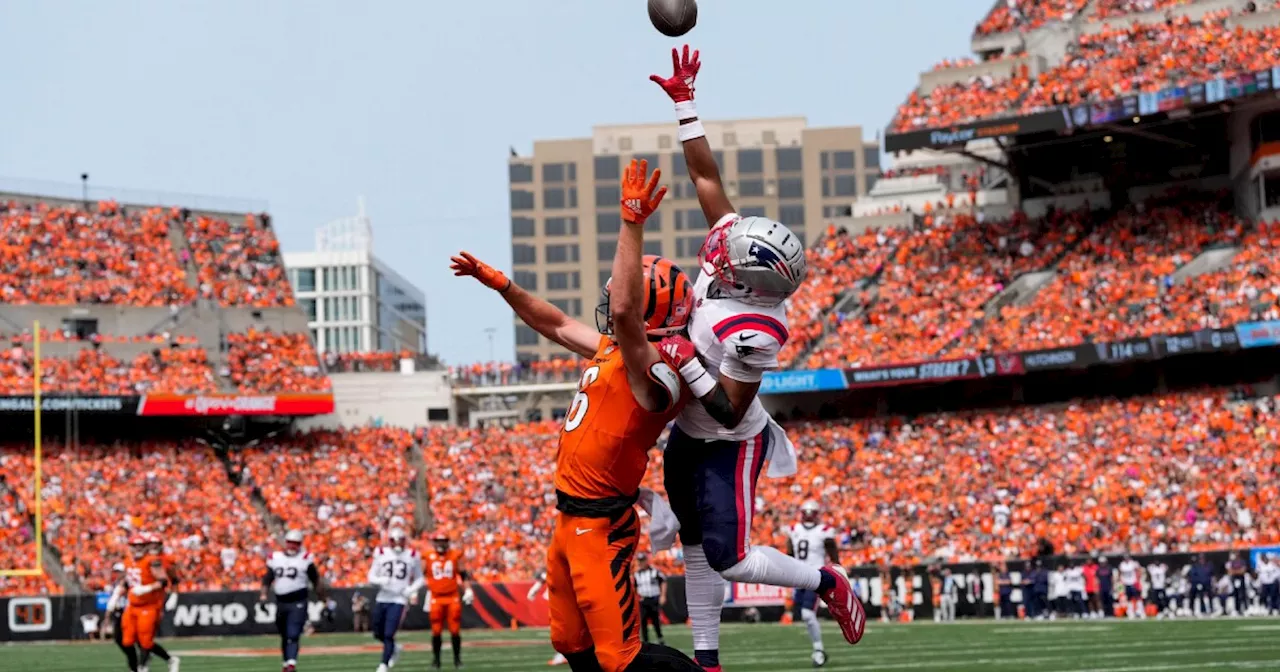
(673, 18)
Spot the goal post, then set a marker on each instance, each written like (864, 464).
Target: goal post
(38, 568)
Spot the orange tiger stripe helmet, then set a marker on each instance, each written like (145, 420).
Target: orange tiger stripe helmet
(668, 301)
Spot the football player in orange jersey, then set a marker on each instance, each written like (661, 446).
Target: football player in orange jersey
(447, 591)
(155, 547)
(626, 397)
(145, 579)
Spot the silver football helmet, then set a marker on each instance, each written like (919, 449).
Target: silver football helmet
(755, 260)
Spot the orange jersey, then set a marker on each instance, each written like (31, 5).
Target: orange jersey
(605, 441)
(138, 573)
(442, 570)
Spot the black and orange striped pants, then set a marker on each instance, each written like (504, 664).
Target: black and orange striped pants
(592, 597)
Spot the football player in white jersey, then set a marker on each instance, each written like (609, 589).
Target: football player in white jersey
(1130, 578)
(1075, 590)
(289, 573)
(1158, 572)
(397, 572)
(813, 543)
(749, 267)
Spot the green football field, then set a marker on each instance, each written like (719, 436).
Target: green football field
(1110, 646)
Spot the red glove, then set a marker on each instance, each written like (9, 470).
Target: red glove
(465, 264)
(680, 353)
(685, 69)
(677, 350)
(638, 198)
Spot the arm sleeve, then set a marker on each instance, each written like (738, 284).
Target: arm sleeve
(373, 577)
(313, 574)
(268, 576)
(751, 346)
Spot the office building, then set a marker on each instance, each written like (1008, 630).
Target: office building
(353, 301)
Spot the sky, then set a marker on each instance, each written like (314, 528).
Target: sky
(414, 105)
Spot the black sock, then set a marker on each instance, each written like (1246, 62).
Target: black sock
(661, 658)
(826, 582)
(456, 640)
(583, 661)
(144, 657)
(159, 651)
(131, 657)
(436, 643)
(707, 658)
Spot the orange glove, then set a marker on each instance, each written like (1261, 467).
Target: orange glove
(638, 198)
(465, 264)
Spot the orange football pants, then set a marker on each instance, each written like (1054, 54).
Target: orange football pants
(592, 600)
(446, 610)
(138, 625)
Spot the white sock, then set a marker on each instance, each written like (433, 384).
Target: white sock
(815, 629)
(768, 565)
(704, 596)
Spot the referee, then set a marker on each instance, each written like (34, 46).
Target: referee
(651, 586)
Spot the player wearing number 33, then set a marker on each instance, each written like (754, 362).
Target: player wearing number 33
(628, 393)
(397, 572)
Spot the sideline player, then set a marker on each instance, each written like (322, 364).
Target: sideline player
(397, 572)
(625, 398)
(717, 449)
(1131, 579)
(813, 543)
(444, 578)
(145, 579)
(287, 576)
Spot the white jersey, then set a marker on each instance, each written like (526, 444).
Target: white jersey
(1075, 579)
(289, 571)
(1268, 572)
(397, 574)
(1129, 572)
(735, 340)
(809, 541)
(1057, 584)
(1159, 574)
(1001, 513)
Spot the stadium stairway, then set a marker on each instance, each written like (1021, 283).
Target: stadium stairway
(178, 238)
(1208, 261)
(419, 489)
(51, 557)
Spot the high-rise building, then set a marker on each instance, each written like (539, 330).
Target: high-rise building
(565, 201)
(353, 301)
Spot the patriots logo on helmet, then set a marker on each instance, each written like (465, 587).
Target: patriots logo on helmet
(770, 259)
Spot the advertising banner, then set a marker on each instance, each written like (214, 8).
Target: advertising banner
(236, 404)
(1049, 120)
(813, 380)
(1258, 334)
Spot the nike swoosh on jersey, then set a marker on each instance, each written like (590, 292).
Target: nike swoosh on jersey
(743, 337)
(581, 531)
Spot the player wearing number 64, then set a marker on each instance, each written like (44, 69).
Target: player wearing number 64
(629, 391)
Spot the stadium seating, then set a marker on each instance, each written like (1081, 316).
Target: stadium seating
(58, 255)
(1117, 284)
(340, 488)
(933, 289)
(173, 368)
(239, 264)
(97, 495)
(1027, 14)
(1106, 9)
(268, 361)
(1101, 66)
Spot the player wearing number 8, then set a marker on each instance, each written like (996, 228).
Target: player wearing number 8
(628, 393)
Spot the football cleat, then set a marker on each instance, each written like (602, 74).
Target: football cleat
(844, 605)
(819, 658)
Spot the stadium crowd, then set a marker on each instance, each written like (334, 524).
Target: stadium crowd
(91, 370)
(1027, 14)
(1119, 283)
(61, 255)
(269, 361)
(1181, 472)
(239, 264)
(1114, 62)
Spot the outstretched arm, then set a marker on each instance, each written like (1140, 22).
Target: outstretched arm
(654, 385)
(540, 315)
(697, 150)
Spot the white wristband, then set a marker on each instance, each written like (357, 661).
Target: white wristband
(695, 375)
(691, 131)
(686, 110)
